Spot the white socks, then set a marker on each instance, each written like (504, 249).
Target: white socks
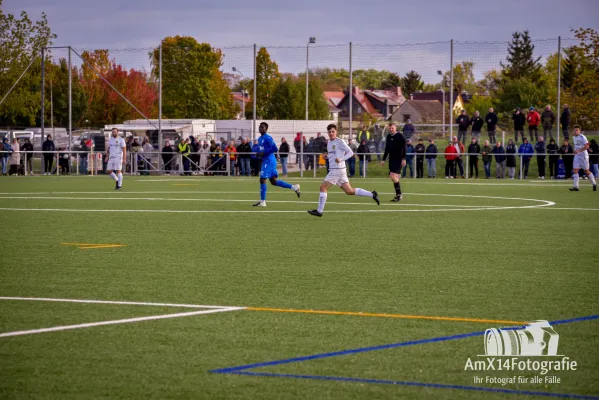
(322, 199)
(592, 178)
(113, 176)
(363, 193)
(576, 177)
(120, 178)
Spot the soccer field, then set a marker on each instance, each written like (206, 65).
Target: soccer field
(178, 288)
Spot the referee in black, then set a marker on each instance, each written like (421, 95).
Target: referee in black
(396, 149)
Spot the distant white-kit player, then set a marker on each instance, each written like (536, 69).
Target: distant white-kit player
(116, 154)
(581, 159)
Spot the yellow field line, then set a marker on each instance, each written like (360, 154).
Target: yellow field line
(364, 314)
(103, 246)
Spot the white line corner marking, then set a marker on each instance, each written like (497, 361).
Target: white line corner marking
(207, 310)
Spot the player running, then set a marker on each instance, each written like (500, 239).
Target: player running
(396, 149)
(116, 153)
(338, 152)
(267, 150)
(581, 159)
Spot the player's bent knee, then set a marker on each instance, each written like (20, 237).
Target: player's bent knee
(273, 181)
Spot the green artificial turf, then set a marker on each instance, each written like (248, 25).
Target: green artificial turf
(496, 250)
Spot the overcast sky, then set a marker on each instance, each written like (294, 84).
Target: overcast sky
(121, 24)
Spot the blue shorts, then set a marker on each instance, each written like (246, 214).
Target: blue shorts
(269, 170)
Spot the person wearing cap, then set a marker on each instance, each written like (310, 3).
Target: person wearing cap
(519, 121)
(534, 119)
(419, 150)
(431, 158)
(463, 122)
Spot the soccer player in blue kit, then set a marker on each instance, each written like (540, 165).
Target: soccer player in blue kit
(267, 150)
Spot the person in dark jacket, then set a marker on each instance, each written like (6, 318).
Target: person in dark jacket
(431, 158)
(500, 160)
(7, 150)
(168, 153)
(491, 120)
(510, 159)
(409, 159)
(473, 152)
(594, 157)
(64, 161)
(527, 151)
(47, 148)
(553, 152)
(27, 148)
(564, 119)
(463, 121)
(519, 122)
(408, 129)
(255, 161)
(567, 153)
(284, 155)
(540, 149)
(419, 150)
(477, 125)
(548, 119)
(363, 150)
(243, 153)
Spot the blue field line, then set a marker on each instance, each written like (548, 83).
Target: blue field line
(419, 384)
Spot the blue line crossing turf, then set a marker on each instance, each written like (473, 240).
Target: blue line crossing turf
(243, 369)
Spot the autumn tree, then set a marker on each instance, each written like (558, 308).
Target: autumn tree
(463, 78)
(267, 80)
(57, 91)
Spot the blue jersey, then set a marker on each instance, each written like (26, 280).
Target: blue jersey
(267, 146)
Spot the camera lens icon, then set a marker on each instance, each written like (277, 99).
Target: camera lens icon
(536, 339)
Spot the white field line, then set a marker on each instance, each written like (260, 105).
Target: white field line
(128, 303)
(117, 321)
(232, 201)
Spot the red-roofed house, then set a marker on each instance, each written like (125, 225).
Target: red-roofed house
(377, 103)
(361, 105)
(333, 99)
(239, 99)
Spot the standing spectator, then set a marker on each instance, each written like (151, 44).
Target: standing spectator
(184, 149)
(351, 162)
(548, 119)
(540, 149)
(487, 158)
(205, 157)
(450, 156)
(499, 152)
(534, 119)
(308, 153)
(194, 157)
(419, 150)
(63, 161)
(511, 151)
(284, 155)
(232, 151)
(594, 157)
(564, 119)
(526, 152)
(48, 148)
(567, 153)
(491, 120)
(5, 156)
(319, 146)
(28, 150)
(244, 153)
(255, 161)
(553, 152)
(463, 122)
(84, 149)
(431, 158)
(297, 144)
(363, 151)
(223, 143)
(477, 125)
(408, 129)
(15, 158)
(364, 134)
(519, 121)
(378, 139)
(148, 155)
(459, 162)
(167, 157)
(473, 152)
(219, 160)
(409, 159)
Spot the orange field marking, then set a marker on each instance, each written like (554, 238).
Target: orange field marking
(404, 316)
(85, 246)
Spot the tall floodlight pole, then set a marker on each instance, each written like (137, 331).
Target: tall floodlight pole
(311, 41)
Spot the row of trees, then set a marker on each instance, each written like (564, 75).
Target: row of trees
(194, 86)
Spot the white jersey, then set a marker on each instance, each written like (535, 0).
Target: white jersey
(115, 148)
(580, 143)
(337, 148)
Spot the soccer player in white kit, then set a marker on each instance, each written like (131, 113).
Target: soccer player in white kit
(581, 159)
(337, 152)
(116, 153)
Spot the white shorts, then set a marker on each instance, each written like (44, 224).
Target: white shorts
(114, 165)
(337, 176)
(581, 161)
